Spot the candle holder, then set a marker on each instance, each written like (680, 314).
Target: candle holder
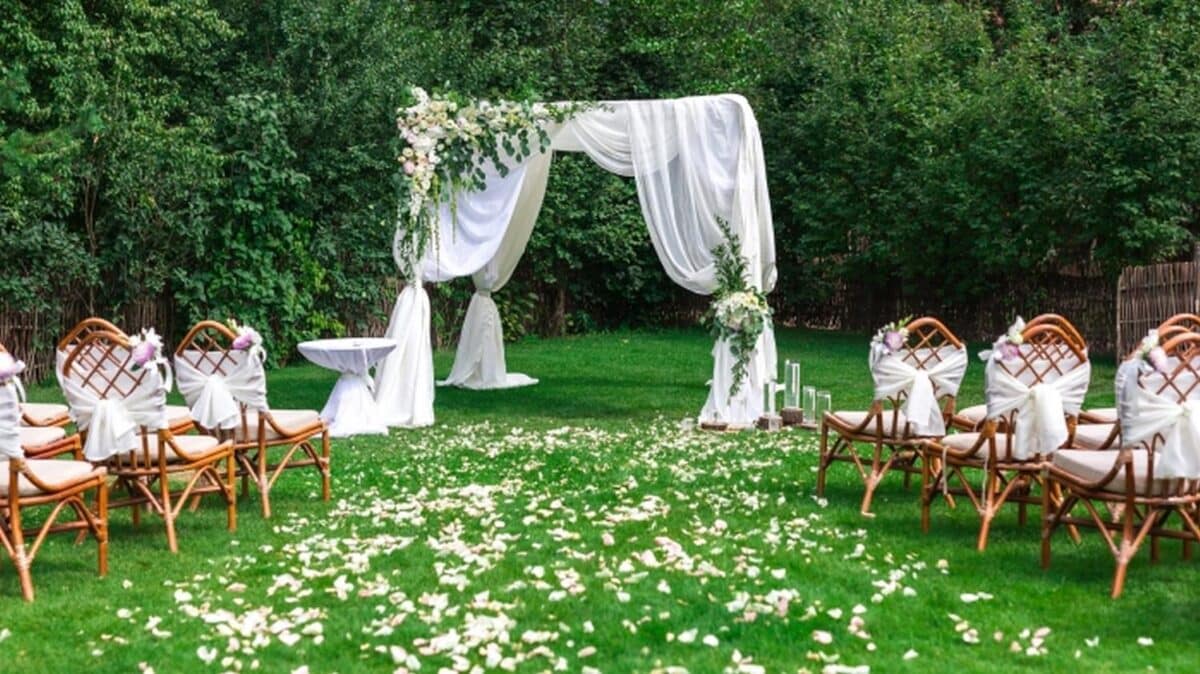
(792, 413)
(769, 421)
(808, 400)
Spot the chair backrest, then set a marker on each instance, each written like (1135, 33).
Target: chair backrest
(102, 362)
(929, 344)
(10, 420)
(1186, 321)
(208, 347)
(219, 381)
(1047, 353)
(1180, 383)
(1068, 328)
(78, 335)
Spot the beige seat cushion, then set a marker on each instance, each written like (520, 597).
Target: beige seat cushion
(195, 446)
(1101, 415)
(55, 474)
(178, 415)
(292, 422)
(854, 419)
(963, 442)
(1093, 436)
(973, 414)
(1090, 465)
(33, 437)
(44, 413)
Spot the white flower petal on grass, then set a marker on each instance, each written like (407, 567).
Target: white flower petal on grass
(822, 637)
(1145, 641)
(687, 636)
(710, 641)
(910, 654)
(206, 654)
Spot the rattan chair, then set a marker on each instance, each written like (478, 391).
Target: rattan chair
(36, 483)
(42, 414)
(153, 466)
(1129, 483)
(1048, 356)
(178, 417)
(892, 440)
(258, 431)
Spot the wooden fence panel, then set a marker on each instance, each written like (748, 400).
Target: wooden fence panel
(1146, 296)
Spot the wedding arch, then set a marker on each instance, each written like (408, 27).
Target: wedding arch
(697, 163)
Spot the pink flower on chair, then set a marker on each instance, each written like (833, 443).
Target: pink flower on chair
(1008, 350)
(894, 340)
(1158, 359)
(247, 337)
(146, 347)
(9, 367)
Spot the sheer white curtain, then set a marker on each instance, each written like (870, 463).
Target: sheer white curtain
(694, 160)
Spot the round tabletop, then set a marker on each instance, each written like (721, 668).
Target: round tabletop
(347, 354)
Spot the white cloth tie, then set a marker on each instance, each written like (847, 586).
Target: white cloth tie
(1041, 425)
(10, 419)
(1151, 414)
(112, 422)
(893, 375)
(214, 398)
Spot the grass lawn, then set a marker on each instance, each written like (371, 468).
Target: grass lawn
(573, 525)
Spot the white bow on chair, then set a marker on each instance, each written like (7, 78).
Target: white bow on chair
(1145, 414)
(112, 423)
(892, 375)
(213, 398)
(10, 420)
(1041, 425)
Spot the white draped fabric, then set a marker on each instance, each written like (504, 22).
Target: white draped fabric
(1041, 425)
(112, 422)
(1144, 414)
(694, 160)
(10, 420)
(921, 386)
(214, 398)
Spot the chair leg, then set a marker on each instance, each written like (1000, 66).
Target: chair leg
(264, 485)
(822, 460)
(102, 528)
(20, 560)
(1048, 517)
(325, 467)
(164, 489)
(926, 489)
(229, 491)
(988, 510)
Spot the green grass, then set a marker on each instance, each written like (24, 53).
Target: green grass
(513, 488)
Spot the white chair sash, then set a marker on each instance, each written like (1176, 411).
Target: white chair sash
(10, 420)
(1144, 414)
(214, 398)
(1041, 425)
(112, 422)
(920, 386)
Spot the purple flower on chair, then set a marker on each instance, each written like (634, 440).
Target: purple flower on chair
(9, 367)
(894, 340)
(146, 348)
(1008, 350)
(247, 337)
(1158, 359)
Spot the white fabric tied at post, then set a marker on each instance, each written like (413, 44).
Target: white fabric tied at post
(112, 423)
(215, 399)
(1145, 414)
(893, 375)
(10, 420)
(1041, 425)
(404, 380)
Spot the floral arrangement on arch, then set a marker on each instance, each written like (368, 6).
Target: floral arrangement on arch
(444, 141)
(739, 312)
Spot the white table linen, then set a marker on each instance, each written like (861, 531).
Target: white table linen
(351, 408)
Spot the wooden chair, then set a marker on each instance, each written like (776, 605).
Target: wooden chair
(42, 414)
(178, 417)
(1129, 483)
(98, 370)
(258, 430)
(1049, 356)
(58, 485)
(891, 437)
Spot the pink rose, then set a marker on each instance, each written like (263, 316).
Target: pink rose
(893, 340)
(1158, 359)
(409, 167)
(9, 366)
(247, 337)
(144, 352)
(1008, 350)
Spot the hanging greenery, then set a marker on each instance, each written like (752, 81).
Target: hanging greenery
(739, 312)
(445, 141)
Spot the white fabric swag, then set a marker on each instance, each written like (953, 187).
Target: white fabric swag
(921, 386)
(112, 421)
(1041, 425)
(694, 160)
(215, 399)
(1145, 414)
(10, 420)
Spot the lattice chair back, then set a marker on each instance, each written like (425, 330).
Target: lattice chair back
(921, 378)
(88, 358)
(218, 380)
(1034, 386)
(1072, 334)
(114, 400)
(1160, 411)
(1186, 321)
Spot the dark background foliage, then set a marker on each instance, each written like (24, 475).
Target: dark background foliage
(168, 161)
